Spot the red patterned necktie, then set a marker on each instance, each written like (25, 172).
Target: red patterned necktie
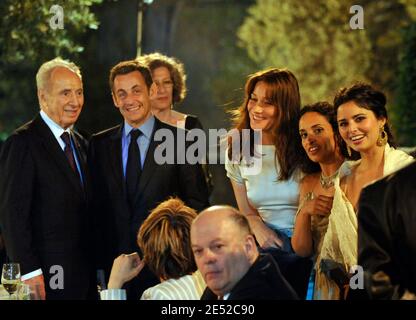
(69, 152)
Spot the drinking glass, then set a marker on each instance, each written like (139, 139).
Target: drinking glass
(10, 277)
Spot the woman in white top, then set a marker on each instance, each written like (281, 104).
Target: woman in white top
(267, 192)
(164, 239)
(267, 196)
(363, 125)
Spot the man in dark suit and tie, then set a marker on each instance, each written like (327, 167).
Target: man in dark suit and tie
(44, 190)
(128, 177)
(226, 254)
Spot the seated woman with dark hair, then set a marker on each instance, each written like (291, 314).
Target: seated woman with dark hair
(322, 159)
(364, 127)
(164, 239)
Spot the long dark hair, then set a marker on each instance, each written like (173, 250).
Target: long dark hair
(283, 92)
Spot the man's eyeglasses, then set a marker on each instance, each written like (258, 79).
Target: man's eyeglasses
(167, 84)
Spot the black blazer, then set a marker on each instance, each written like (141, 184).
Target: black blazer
(119, 222)
(386, 234)
(263, 281)
(44, 208)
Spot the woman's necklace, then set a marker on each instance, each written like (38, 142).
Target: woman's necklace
(327, 182)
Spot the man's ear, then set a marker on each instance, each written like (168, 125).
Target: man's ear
(114, 100)
(250, 246)
(42, 98)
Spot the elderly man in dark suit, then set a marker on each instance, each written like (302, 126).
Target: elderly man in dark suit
(386, 236)
(226, 254)
(129, 177)
(44, 190)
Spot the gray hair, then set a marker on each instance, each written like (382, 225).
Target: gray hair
(45, 70)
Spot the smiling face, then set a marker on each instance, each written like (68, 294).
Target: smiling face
(132, 97)
(162, 100)
(62, 98)
(261, 111)
(317, 136)
(358, 126)
(223, 255)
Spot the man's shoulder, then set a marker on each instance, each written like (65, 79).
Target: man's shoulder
(407, 174)
(21, 134)
(106, 134)
(403, 176)
(159, 125)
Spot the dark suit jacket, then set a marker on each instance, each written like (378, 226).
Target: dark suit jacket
(263, 281)
(386, 234)
(44, 209)
(119, 222)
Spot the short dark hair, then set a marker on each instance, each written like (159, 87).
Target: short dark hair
(366, 96)
(126, 67)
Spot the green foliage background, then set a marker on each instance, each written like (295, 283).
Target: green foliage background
(26, 41)
(315, 41)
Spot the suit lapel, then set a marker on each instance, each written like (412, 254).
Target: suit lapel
(53, 148)
(149, 163)
(114, 153)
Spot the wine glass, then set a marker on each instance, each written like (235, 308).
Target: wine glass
(10, 277)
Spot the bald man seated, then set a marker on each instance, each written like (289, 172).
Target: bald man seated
(226, 255)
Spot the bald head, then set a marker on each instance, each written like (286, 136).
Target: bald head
(218, 214)
(223, 246)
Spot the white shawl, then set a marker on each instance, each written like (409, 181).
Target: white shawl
(340, 240)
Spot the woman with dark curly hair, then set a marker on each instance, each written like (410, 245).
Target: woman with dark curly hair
(363, 125)
(322, 159)
(169, 76)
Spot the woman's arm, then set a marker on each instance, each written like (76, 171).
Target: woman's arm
(265, 236)
(125, 268)
(309, 204)
(302, 242)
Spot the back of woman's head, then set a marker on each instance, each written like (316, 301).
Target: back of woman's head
(164, 239)
(283, 93)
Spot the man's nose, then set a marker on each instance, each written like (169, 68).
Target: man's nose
(128, 99)
(209, 257)
(76, 99)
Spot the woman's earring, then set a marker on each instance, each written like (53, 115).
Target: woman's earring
(349, 151)
(382, 137)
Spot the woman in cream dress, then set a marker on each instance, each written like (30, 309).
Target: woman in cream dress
(363, 125)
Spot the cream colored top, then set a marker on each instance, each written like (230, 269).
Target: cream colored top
(340, 240)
